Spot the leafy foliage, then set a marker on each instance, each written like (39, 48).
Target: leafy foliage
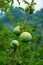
(28, 53)
(6, 4)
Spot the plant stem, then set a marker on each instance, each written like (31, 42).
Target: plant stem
(11, 18)
(25, 23)
(22, 55)
(12, 57)
(26, 19)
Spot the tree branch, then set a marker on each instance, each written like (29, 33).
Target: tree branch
(26, 19)
(12, 57)
(9, 15)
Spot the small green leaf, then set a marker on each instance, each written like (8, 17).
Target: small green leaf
(26, 2)
(21, 8)
(33, 3)
(18, 2)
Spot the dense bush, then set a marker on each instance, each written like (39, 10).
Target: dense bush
(26, 54)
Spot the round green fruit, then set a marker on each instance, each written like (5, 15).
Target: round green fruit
(14, 44)
(25, 37)
(31, 9)
(17, 30)
(27, 8)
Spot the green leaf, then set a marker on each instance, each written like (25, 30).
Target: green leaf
(21, 8)
(26, 2)
(33, 3)
(18, 2)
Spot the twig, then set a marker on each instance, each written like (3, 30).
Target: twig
(12, 57)
(22, 55)
(26, 19)
(8, 14)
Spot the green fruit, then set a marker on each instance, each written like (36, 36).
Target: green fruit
(31, 9)
(27, 8)
(14, 44)
(17, 30)
(25, 37)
